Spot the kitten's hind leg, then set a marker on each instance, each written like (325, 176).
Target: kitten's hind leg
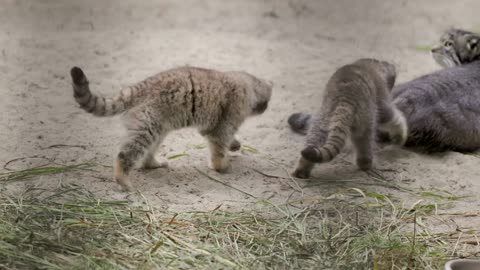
(363, 142)
(303, 169)
(150, 162)
(140, 140)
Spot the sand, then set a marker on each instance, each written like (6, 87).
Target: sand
(296, 44)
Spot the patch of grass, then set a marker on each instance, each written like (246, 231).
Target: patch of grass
(42, 170)
(199, 146)
(423, 48)
(69, 228)
(177, 156)
(248, 148)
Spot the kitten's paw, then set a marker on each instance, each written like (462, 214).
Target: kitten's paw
(311, 154)
(365, 164)
(153, 163)
(303, 174)
(235, 145)
(120, 176)
(124, 183)
(220, 165)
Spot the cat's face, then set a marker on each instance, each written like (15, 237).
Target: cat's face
(263, 92)
(259, 91)
(457, 47)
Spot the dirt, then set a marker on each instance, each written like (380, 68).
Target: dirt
(295, 44)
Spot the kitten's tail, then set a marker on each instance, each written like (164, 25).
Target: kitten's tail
(338, 131)
(101, 106)
(300, 122)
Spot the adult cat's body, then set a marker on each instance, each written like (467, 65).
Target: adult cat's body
(442, 109)
(215, 102)
(356, 99)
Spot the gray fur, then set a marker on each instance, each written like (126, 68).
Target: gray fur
(356, 100)
(215, 102)
(443, 109)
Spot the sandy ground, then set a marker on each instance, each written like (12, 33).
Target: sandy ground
(296, 44)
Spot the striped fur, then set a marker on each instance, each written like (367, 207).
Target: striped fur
(356, 100)
(101, 106)
(338, 132)
(215, 102)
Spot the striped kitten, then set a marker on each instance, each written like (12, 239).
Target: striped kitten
(356, 99)
(215, 102)
(457, 47)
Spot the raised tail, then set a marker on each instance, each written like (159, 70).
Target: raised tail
(97, 105)
(338, 131)
(300, 122)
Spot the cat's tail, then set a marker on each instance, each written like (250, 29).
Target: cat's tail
(300, 122)
(101, 106)
(338, 132)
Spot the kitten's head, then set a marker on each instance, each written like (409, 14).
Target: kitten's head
(262, 92)
(259, 91)
(457, 47)
(384, 69)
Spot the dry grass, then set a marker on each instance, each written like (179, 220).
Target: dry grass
(69, 228)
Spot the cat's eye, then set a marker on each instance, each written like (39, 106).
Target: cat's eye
(447, 43)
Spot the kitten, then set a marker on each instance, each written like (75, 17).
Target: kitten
(357, 97)
(457, 47)
(215, 102)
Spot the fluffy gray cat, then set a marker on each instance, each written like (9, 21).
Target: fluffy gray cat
(442, 108)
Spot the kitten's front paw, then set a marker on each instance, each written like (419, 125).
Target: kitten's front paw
(220, 165)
